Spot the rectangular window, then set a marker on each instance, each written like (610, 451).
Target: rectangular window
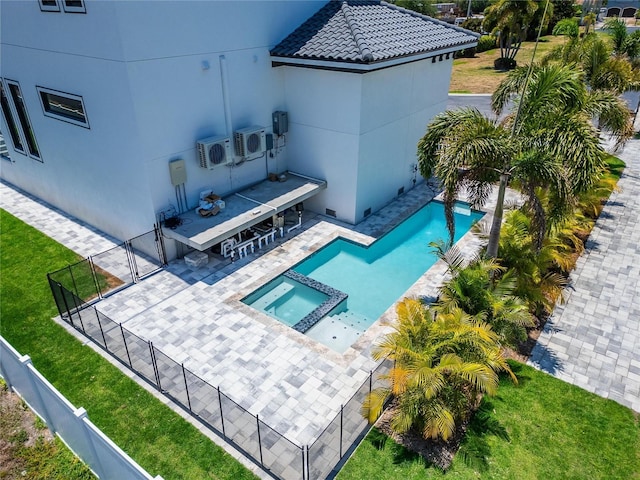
(23, 118)
(63, 106)
(14, 134)
(74, 6)
(49, 6)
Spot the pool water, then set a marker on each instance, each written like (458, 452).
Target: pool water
(373, 277)
(286, 300)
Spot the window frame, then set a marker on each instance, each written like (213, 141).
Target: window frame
(25, 123)
(9, 120)
(73, 8)
(43, 91)
(49, 8)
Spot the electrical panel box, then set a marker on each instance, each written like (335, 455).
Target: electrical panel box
(178, 172)
(280, 122)
(269, 139)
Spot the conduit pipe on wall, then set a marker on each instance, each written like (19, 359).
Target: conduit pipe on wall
(224, 78)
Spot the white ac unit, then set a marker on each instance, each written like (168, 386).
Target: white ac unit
(214, 152)
(250, 142)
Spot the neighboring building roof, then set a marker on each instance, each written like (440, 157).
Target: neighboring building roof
(367, 32)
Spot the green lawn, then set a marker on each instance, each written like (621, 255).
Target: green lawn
(151, 433)
(477, 75)
(554, 430)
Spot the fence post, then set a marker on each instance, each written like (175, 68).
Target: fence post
(370, 380)
(154, 364)
(3, 371)
(308, 469)
(96, 466)
(341, 419)
(186, 387)
(221, 415)
(160, 241)
(302, 451)
(259, 440)
(131, 269)
(25, 360)
(95, 277)
(132, 261)
(104, 339)
(124, 340)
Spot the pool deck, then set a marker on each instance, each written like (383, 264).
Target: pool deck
(196, 317)
(293, 383)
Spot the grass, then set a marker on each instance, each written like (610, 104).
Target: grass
(553, 431)
(160, 440)
(477, 75)
(28, 450)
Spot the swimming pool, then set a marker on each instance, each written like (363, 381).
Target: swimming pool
(352, 284)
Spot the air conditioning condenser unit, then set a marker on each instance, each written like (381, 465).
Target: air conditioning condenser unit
(214, 152)
(250, 142)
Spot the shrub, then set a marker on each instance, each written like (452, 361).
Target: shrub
(504, 63)
(486, 42)
(466, 53)
(474, 24)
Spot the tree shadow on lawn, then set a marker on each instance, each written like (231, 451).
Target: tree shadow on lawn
(470, 442)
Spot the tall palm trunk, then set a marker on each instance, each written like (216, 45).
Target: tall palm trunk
(494, 234)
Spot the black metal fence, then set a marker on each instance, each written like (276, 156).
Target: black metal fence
(282, 458)
(98, 275)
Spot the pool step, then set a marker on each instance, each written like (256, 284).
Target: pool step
(352, 320)
(274, 294)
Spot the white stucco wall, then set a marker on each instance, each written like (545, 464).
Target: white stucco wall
(324, 130)
(397, 104)
(360, 131)
(139, 67)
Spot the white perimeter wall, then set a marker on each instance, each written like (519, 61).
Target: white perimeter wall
(139, 68)
(360, 131)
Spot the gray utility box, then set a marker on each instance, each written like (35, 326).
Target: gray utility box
(280, 122)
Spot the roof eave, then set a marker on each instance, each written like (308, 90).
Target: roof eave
(362, 67)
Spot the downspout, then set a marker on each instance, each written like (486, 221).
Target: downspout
(224, 78)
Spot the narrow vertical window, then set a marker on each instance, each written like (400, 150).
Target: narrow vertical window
(49, 6)
(14, 134)
(74, 6)
(23, 118)
(4, 151)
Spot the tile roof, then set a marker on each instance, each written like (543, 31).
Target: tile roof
(369, 31)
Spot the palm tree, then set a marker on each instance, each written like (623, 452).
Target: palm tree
(602, 69)
(588, 20)
(485, 290)
(509, 20)
(443, 363)
(547, 140)
(539, 274)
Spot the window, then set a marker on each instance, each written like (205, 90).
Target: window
(49, 6)
(74, 6)
(14, 134)
(4, 151)
(63, 106)
(21, 109)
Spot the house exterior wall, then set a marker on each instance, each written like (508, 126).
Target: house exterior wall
(324, 133)
(397, 104)
(360, 131)
(149, 74)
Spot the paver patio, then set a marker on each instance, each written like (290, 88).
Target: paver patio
(593, 341)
